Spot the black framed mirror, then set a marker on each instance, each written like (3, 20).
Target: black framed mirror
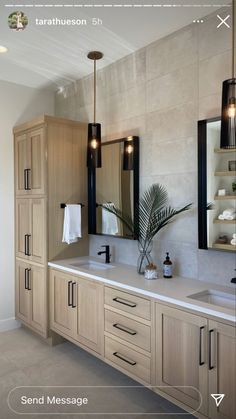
(115, 183)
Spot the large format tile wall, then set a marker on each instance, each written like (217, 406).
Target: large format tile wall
(159, 93)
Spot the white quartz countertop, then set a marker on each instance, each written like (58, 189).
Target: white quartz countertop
(174, 290)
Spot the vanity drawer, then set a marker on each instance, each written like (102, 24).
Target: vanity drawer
(128, 329)
(127, 302)
(128, 359)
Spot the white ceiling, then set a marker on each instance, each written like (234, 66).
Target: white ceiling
(52, 56)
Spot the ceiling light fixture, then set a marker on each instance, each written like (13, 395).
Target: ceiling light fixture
(228, 113)
(3, 49)
(94, 158)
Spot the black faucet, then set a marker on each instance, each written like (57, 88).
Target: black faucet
(106, 252)
(233, 280)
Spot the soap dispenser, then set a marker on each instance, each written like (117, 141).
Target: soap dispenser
(167, 267)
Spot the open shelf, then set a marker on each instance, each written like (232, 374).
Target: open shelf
(226, 173)
(217, 221)
(225, 150)
(225, 246)
(222, 198)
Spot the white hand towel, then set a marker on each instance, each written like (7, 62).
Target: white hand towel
(109, 221)
(72, 224)
(233, 242)
(221, 217)
(230, 217)
(234, 236)
(229, 211)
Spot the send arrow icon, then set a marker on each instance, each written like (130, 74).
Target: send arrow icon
(218, 398)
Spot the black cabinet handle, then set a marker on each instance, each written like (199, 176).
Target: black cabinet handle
(28, 279)
(25, 179)
(28, 188)
(201, 362)
(26, 287)
(124, 302)
(124, 359)
(124, 329)
(69, 293)
(73, 305)
(28, 245)
(210, 349)
(26, 242)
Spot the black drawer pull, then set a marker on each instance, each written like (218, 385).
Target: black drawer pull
(25, 179)
(73, 305)
(125, 302)
(201, 362)
(210, 349)
(124, 329)
(69, 293)
(124, 359)
(28, 279)
(28, 244)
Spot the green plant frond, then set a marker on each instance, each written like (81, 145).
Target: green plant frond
(151, 203)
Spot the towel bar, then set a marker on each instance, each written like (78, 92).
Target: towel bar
(64, 205)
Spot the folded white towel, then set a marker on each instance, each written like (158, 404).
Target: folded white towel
(109, 221)
(233, 242)
(221, 217)
(72, 224)
(228, 211)
(230, 217)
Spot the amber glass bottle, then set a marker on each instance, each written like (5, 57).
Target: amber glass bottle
(167, 267)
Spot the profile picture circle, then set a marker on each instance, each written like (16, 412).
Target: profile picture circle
(17, 21)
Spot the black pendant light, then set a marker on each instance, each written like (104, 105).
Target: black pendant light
(128, 157)
(94, 129)
(228, 113)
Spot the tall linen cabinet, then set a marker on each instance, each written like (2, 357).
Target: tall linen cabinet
(50, 169)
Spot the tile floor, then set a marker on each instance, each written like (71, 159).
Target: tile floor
(26, 360)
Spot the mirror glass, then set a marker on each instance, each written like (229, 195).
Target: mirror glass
(115, 186)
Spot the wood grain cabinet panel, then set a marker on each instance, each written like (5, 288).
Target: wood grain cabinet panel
(62, 314)
(89, 325)
(127, 302)
(182, 370)
(222, 372)
(31, 295)
(31, 229)
(30, 160)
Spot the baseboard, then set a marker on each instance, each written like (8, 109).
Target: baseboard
(9, 324)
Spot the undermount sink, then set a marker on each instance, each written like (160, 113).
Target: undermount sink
(217, 298)
(91, 265)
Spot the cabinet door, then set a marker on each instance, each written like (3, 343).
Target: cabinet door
(37, 152)
(22, 296)
(90, 324)
(22, 164)
(22, 227)
(222, 370)
(63, 315)
(181, 340)
(37, 286)
(37, 239)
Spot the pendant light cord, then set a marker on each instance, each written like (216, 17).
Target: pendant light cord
(233, 35)
(94, 86)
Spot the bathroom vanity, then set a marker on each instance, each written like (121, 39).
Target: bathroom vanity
(176, 335)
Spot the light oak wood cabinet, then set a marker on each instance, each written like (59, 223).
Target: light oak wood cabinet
(181, 369)
(30, 161)
(62, 314)
(76, 309)
(50, 169)
(196, 357)
(89, 323)
(31, 229)
(31, 295)
(222, 369)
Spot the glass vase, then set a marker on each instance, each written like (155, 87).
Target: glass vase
(145, 257)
